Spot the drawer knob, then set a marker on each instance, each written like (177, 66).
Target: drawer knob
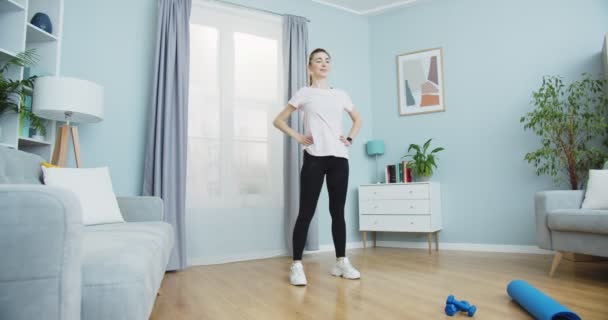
(411, 206)
(375, 221)
(411, 191)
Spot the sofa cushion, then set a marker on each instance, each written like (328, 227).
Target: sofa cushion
(122, 268)
(18, 167)
(579, 220)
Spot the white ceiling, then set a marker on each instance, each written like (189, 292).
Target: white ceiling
(367, 7)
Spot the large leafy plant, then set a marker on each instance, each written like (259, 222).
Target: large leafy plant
(421, 162)
(572, 124)
(13, 92)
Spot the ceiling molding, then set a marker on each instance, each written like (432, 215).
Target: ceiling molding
(329, 4)
(372, 11)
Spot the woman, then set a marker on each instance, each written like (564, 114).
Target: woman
(325, 155)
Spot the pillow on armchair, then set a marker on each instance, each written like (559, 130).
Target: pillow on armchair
(93, 188)
(596, 195)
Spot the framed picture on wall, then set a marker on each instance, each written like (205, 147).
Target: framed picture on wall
(420, 82)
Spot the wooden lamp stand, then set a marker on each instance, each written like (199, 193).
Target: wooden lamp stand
(60, 153)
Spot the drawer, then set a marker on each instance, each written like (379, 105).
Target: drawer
(395, 206)
(409, 223)
(399, 191)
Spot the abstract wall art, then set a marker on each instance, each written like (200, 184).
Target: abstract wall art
(420, 82)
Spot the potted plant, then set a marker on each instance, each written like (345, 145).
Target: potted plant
(572, 123)
(421, 162)
(37, 126)
(13, 92)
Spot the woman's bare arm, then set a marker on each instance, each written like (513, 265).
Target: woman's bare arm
(280, 122)
(354, 130)
(357, 122)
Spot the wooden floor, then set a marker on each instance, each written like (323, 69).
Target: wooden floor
(395, 284)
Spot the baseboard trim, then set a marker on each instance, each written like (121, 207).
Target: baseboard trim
(205, 261)
(503, 248)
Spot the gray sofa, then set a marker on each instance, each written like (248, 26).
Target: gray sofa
(52, 267)
(562, 226)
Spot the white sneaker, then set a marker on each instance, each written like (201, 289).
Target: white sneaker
(344, 269)
(297, 276)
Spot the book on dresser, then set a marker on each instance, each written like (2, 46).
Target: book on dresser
(398, 173)
(400, 207)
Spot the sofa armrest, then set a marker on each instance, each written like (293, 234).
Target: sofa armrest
(137, 209)
(40, 242)
(547, 201)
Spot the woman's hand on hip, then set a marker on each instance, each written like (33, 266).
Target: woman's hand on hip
(346, 142)
(305, 140)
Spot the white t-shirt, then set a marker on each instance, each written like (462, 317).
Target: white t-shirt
(322, 109)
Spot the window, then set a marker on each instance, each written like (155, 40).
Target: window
(234, 153)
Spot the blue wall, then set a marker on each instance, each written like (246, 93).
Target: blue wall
(495, 54)
(112, 42)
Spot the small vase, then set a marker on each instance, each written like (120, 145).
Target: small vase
(42, 21)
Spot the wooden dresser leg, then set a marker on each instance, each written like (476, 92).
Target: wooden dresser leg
(364, 239)
(556, 260)
(430, 240)
(436, 240)
(374, 239)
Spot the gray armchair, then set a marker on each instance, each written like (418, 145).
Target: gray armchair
(562, 226)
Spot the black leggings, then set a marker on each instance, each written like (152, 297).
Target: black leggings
(313, 172)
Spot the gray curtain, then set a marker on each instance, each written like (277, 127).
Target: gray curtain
(295, 50)
(166, 145)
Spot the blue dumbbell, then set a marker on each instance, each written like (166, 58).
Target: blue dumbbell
(465, 307)
(450, 309)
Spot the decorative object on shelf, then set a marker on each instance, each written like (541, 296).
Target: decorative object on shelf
(32, 126)
(422, 163)
(42, 21)
(69, 100)
(569, 120)
(375, 148)
(420, 82)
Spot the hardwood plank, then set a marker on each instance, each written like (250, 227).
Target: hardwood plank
(395, 284)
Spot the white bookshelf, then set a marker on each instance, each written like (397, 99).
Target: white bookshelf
(17, 34)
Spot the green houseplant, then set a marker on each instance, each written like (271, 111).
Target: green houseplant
(572, 123)
(421, 162)
(13, 92)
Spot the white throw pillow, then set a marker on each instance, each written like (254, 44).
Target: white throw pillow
(92, 187)
(596, 196)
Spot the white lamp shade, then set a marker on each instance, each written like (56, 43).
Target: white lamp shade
(55, 96)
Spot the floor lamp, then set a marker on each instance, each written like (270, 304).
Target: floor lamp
(375, 148)
(69, 100)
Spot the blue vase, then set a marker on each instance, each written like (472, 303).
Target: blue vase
(42, 21)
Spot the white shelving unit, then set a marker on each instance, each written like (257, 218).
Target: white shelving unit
(17, 34)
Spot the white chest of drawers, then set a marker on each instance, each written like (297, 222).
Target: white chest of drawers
(400, 207)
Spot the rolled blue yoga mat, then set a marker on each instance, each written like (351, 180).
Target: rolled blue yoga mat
(538, 304)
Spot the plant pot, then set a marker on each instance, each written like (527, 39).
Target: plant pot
(38, 137)
(423, 178)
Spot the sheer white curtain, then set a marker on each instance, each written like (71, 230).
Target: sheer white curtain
(235, 169)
